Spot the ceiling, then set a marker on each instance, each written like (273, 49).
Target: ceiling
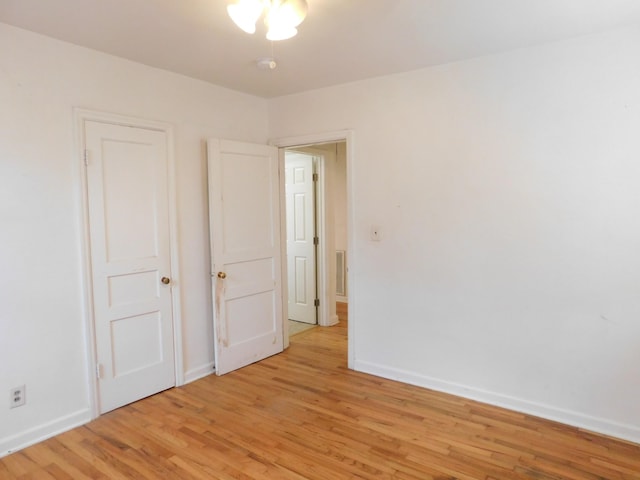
(340, 41)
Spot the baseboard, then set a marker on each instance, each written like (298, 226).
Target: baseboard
(341, 299)
(32, 436)
(17, 442)
(333, 320)
(198, 373)
(567, 417)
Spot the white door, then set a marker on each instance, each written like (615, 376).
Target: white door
(130, 261)
(301, 232)
(244, 209)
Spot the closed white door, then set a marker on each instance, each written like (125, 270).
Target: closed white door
(301, 232)
(130, 261)
(244, 209)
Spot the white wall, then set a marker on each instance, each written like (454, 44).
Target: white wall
(506, 188)
(336, 185)
(42, 342)
(508, 192)
(337, 169)
(340, 207)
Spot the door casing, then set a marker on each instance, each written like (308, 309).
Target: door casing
(323, 259)
(80, 117)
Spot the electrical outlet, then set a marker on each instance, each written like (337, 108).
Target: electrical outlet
(17, 396)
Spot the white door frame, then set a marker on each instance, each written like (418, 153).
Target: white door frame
(310, 140)
(81, 116)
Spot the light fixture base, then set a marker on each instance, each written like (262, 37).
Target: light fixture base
(267, 63)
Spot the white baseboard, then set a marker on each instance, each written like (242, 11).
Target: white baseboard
(24, 439)
(341, 299)
(333, 320)
(599, 425)
(198, 373)
(42, 432)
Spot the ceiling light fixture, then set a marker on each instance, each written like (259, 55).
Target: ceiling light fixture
(281, 16)
(267, 63)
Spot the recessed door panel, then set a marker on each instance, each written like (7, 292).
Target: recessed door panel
(133, 288)
(300, 288)
(136, 342)
(129, 189)
(249, 208)
(252, 317)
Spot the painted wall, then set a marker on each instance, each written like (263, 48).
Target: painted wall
(42, 339)
(340, 207)
(326, 207)
(507, 190)
(337, 169)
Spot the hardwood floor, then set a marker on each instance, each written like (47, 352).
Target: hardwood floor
(304, 415)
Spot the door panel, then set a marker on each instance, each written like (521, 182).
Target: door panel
(136, 342)
(253, 316)
(244, 208)
(129, 234)
(301, 230)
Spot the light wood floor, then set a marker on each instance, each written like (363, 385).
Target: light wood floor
(303, 415)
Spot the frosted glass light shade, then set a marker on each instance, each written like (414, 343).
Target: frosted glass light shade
(291, 12)
(245, 14)
(281, 32)
(282, 17)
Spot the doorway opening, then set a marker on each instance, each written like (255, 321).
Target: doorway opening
(316, 233)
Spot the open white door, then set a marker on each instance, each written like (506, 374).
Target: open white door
(301, 237)
(127, 193)
(244, 216)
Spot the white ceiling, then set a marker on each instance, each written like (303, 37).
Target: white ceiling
(340, 41)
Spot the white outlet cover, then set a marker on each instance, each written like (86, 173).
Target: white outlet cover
(17, 396)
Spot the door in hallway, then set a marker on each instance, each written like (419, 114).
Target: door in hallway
(301, 237)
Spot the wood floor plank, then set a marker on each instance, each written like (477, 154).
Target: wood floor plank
(303, 415)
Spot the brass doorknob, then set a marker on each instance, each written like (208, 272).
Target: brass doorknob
(165, 280)
(222, 275)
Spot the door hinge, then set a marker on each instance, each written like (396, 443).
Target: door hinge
(315, 177)
(99, 371)
(86, 157)
(316, 302)
(316, 240)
